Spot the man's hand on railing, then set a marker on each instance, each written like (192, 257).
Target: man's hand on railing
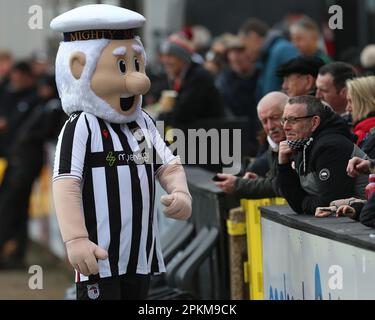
(226, 183)
(322, 212)
(250, 175)
(346, 211)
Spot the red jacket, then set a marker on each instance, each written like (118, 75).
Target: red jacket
(362, 128)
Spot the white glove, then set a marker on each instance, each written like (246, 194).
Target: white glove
(82, 255)
(178, 205)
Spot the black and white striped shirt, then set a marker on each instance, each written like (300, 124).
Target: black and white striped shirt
(118, 188)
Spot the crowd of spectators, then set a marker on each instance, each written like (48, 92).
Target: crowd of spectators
(30, 116)
(314, 112)
(310, 118)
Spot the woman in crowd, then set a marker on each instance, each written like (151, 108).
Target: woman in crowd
(361, 104)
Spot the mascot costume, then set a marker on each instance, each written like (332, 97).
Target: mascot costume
(108, 155)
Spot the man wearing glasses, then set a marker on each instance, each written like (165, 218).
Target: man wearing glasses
(251, 186)
(313, 159)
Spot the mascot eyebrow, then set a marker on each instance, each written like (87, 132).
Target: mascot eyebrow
(138, 49)
(120, 51)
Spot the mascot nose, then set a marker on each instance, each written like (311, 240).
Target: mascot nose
(137, 83)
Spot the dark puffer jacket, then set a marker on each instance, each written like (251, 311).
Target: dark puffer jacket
(320, 175)
(197, 99)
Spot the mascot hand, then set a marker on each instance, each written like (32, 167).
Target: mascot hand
(83, 255)
(178, 205)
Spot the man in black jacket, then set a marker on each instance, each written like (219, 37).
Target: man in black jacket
(313, 159)
(197, 96)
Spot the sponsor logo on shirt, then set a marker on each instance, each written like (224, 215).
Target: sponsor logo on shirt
(93, 291)
(111, 159)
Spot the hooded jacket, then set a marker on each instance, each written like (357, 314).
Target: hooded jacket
(320, 174)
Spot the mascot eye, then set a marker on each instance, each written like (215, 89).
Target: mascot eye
(136, 64)
(122, 66)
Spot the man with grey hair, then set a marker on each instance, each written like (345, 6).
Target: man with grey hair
(270, 109)
(313, 159)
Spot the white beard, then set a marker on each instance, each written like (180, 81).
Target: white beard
(77, 95)
(88, 102)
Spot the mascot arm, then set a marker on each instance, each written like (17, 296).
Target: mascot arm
(82, 253)
(178, 201)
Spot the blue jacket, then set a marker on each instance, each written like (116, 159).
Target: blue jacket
(275, 52)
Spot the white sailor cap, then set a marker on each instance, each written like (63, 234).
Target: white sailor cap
(98, 21)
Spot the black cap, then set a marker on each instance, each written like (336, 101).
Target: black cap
(301, 65)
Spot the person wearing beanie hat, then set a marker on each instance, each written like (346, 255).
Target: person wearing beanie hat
(178, 46)
(108, 155)
(176, 56)
(299, 75)
(197, 97)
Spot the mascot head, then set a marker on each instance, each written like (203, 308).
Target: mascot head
(100, 65)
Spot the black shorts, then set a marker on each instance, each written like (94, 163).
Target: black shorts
(124, 287)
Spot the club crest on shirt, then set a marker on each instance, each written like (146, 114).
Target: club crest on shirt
(73, 117)
(93, 291)
(324, 174)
